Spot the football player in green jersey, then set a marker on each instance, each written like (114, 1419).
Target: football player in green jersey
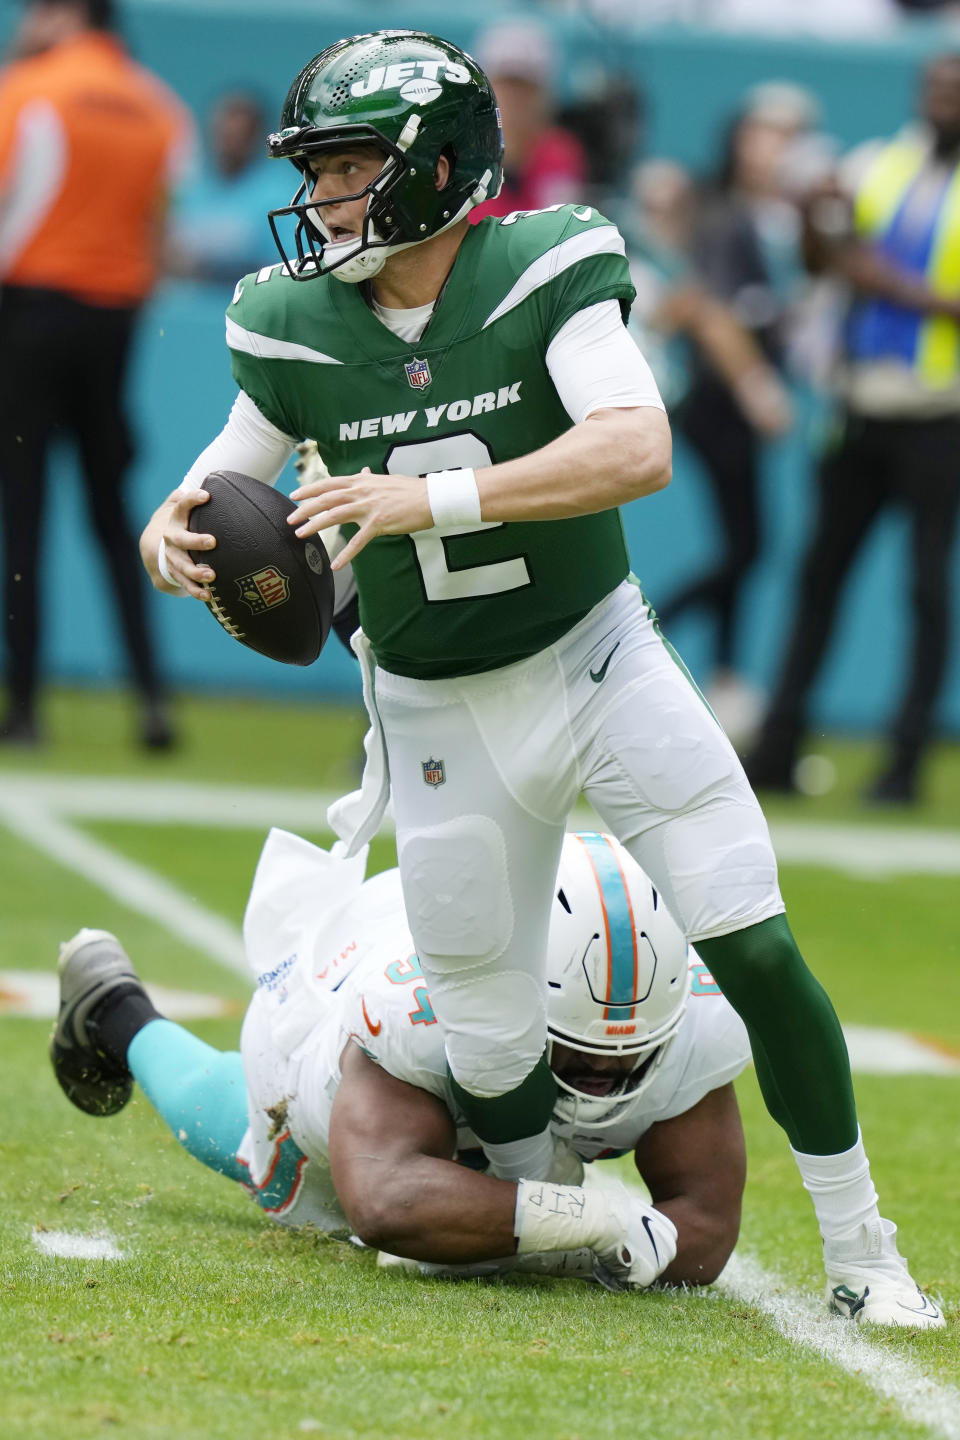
(485, 412)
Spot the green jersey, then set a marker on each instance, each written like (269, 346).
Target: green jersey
(473, 391)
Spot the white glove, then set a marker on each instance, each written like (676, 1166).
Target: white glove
(633, 1242)
(566, 1167)
(647, 1243)
(310, 465)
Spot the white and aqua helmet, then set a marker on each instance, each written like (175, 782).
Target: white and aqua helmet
(416, 98)
(617, 972)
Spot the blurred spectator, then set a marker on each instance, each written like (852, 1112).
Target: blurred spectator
(676, 322)
(812, 17)
(895, 238)
(606, 115)
(827, 18)
(746, 248)
(544, 164)
(943, 9)
(218, 230)
(88, 144)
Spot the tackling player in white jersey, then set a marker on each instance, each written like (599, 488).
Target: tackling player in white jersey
(341, 1113)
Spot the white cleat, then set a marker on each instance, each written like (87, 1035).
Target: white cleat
(386, 1261)
(868, 1280)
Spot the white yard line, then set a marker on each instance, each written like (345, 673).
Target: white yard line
(873, 851)
(170, 802)
(68, 1245)
(34, 809)
(808, 1323)
(35, 995)
(133, 885)
(876, 1051)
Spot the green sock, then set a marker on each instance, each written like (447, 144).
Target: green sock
(798, 1046)
(515, 1116)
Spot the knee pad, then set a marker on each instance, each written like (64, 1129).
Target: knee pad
(456, 890)
(672, 754)
(744, 878)
(496, 1031)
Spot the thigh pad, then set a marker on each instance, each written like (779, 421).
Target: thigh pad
(457, 891)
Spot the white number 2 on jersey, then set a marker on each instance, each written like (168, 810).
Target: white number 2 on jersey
(454, 452)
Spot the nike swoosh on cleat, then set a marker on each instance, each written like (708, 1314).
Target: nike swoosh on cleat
(646, 1219)
(926, 1307)
(597, 675)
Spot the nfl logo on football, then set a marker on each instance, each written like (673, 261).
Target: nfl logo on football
(418, 373)
(264, 589)
(433, 772)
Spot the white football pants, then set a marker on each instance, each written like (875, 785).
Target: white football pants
(483, 772)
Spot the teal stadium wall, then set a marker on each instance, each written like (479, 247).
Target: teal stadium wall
(182, 388)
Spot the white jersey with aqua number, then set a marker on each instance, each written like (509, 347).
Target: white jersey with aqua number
(335, 962)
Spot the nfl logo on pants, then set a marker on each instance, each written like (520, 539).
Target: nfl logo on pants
(433, 772)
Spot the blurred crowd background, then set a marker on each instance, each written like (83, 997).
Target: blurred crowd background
(729, 140)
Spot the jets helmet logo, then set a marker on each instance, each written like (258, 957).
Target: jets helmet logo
(417, 80)
(263, 589)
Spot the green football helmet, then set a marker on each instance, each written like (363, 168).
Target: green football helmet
(415, 98)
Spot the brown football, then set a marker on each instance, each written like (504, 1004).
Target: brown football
(273, 591)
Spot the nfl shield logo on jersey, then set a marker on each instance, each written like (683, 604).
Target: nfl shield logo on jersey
(418, 373)
(433, 772)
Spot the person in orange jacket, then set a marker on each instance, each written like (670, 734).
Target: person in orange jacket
(90, 143)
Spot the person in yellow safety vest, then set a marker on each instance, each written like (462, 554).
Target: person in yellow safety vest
(896, 437)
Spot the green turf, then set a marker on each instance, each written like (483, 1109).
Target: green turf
(228, 739)
(857, 763)
(888, 951)
(220, 1324)
(232, 738)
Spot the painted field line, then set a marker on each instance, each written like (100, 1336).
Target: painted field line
(875, 1050)
(866, 851)
(870, 852)
(133, 885)
(69, 1245)
(173, 802)
(923, 1401)
(807, 1323)
(23, 809)
(35, 995)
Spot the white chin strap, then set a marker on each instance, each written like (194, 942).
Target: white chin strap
(362, 266)
(368, 263)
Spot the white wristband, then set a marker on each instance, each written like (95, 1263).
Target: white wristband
(631, 1238)
(454, 498)
(563, 1217)
(162, 565)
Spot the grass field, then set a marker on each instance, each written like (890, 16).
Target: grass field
(216, 1324)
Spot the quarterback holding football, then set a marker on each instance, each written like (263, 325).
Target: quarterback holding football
(483, 413)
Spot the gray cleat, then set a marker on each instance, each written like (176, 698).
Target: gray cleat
(90, 966)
